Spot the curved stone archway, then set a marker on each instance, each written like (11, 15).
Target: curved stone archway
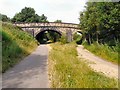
(34, 28)
(44, 36)
(50, 29)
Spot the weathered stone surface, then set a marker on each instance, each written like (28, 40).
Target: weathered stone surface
(35, 28)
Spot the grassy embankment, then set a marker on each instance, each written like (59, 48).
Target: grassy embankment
(66, 70)
(104, 51)
(16, 44)
(0, 56)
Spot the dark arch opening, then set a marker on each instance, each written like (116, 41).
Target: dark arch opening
(78, 37)
(80, 32)
(48, 36)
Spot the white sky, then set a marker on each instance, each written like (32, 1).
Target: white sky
(65, 10)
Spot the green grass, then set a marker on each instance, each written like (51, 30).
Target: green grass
(66, 70)
(104, 51)
(0, 56)
(16, 44)
(0, 48)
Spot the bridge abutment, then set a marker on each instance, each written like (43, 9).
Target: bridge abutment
(69, 35)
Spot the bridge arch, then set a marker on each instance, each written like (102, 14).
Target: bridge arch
(44, 35)
(35, 28)
(48, 29)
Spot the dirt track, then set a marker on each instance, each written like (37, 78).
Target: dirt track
(98, 64)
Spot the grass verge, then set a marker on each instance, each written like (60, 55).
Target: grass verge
(16, 44)
(104, 51)
(66, 70)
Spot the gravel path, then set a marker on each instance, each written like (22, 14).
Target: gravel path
(30, 72)
(98, 64)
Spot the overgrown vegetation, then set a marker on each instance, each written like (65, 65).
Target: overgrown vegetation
(66, 70)
(100, 22)
(100, 26)
(77, 38)
(48, 36)
(28, 14)
(4, 18)
(104, 51)
(0, 48)
(16, 44)
(58, 21)
(63, 39)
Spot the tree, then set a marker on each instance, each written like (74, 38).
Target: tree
(100, 21)
(27, 14)
(53, 36)
(58, 21)
(4, 18)
(43, 18)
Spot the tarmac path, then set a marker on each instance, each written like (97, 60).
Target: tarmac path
(30, 72)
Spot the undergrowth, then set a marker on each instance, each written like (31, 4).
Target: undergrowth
(104, 51)
(16, 44)
(66, 70)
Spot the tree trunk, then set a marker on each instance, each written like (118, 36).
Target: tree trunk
(97, 37)
(89, 39)
(97, 28)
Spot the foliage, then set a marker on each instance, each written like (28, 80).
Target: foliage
(4, 18)
(58, 21)
(48, 36)
(16, 44)
(53, 36)
(42, 38)
(77, 38)
(43, 18)
(0, 56)
(104, 51)
(100, 22)
(66, 70)
(63, 39)
(27, 14)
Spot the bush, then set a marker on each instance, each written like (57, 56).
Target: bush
(66, 70)
(63, 39)
(104, 51)
(77, 38)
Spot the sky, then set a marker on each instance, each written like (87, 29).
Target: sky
(65, 10)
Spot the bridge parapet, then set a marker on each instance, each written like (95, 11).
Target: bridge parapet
(35, 28)
(48, 24)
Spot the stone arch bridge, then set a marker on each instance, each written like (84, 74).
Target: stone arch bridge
(62, 28)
